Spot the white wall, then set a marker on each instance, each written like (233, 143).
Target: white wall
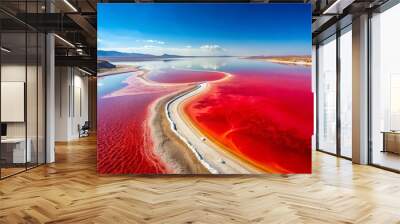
(14, 73)
(62, 83)
(71, 102)
(33, 127)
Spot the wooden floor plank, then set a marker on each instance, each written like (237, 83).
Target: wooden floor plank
(70, 191)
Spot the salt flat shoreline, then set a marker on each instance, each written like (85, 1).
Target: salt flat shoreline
(172, 150)
(118, 70)
(303, 61)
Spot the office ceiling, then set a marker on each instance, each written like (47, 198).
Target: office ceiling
(74, 22)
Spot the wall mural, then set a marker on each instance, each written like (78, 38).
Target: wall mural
(204, 88)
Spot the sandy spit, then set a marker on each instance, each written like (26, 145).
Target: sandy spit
(171, 149)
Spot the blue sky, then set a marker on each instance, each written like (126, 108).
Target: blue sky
(205, 29)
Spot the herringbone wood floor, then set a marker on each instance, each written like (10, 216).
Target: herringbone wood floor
(70, 191)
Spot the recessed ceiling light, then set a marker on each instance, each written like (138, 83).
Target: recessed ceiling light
(70, 5)
(5, 50)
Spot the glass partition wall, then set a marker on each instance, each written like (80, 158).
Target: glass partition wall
(327, 96)
(13, 110)
(385, 89)
(334, 93)
(22, 77)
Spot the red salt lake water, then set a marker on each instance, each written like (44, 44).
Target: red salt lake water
(183, 76)
(265, 118)
(263, 114)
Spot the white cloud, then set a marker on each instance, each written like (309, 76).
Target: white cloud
(155, 41)
(212, 47)
(152, 41)
(150, 47)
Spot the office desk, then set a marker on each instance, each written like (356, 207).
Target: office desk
(391, 141)
(13, 150)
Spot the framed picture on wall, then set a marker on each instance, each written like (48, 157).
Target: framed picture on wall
(204, 88)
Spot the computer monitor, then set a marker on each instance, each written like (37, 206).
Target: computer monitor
(3, 129)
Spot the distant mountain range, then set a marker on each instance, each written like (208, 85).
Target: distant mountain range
(101, 53)
(110, 55)
(104, 64)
